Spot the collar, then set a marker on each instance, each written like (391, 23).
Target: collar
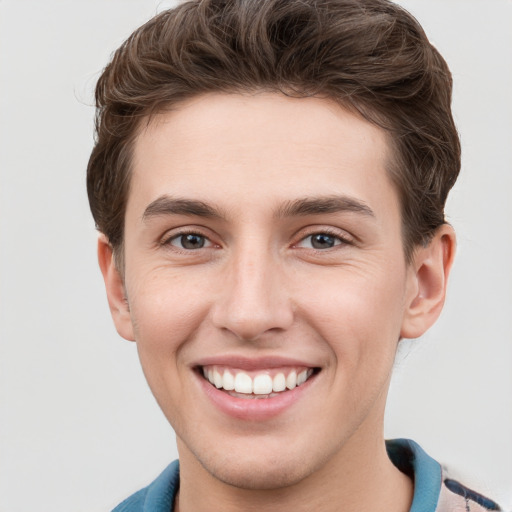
(405, 454)
(425, 472)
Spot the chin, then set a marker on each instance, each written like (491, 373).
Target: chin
(258, 475)
(258, 466)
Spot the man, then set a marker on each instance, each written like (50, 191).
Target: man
(269, 182)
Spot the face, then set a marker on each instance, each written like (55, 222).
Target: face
(265, 282)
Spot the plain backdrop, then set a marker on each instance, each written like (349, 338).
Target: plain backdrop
(79, 429)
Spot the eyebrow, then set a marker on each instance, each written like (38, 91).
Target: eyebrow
(166, 205)
(328, 204)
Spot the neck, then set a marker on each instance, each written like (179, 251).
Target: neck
(362, 479)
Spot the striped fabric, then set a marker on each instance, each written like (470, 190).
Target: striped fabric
(434, 489)
(455, 497)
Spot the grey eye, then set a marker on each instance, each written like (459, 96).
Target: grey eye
(189, 241)
(319, 241)
(323, 241)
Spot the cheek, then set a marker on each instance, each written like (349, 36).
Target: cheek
(359, 314)
(165, 309)
(166, 313)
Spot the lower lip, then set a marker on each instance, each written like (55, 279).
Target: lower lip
(254, 409)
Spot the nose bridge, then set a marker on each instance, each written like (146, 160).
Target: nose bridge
(254, 298)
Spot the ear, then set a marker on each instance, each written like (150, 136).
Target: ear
(427, 282)
(114, 285)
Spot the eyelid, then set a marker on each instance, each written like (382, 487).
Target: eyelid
(175, 233)
(207, 242)
(343, 237)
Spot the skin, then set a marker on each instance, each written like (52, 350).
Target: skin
(260, 288)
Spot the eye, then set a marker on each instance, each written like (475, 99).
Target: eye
(321, 241)
(190, 241)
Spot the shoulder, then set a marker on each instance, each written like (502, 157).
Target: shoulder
(134, 503)
(157, 496)
(455, 497)
(435, 490)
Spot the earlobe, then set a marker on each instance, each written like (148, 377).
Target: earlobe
(115, 289)
(427, 283)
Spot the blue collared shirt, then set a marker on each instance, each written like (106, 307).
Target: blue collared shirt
(433, 490)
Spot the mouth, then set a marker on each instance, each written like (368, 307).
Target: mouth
(256, 384)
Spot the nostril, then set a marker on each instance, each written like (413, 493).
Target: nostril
(250, 324)
(253, 301)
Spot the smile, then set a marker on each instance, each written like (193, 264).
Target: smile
(267, 383)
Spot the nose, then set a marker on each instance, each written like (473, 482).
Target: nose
(253, 300)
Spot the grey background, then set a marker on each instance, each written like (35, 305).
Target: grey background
(79, 429)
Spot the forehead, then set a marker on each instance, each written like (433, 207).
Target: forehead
(237, 150)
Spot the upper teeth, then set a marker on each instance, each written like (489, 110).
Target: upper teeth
(259, 384)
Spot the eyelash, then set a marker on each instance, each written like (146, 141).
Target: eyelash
(339, 240)
(167, 240)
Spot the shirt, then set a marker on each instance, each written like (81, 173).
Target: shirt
(434, 490)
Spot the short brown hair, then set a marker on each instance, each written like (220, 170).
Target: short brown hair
(371, 56)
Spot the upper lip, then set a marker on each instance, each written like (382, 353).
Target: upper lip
(253, 363)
